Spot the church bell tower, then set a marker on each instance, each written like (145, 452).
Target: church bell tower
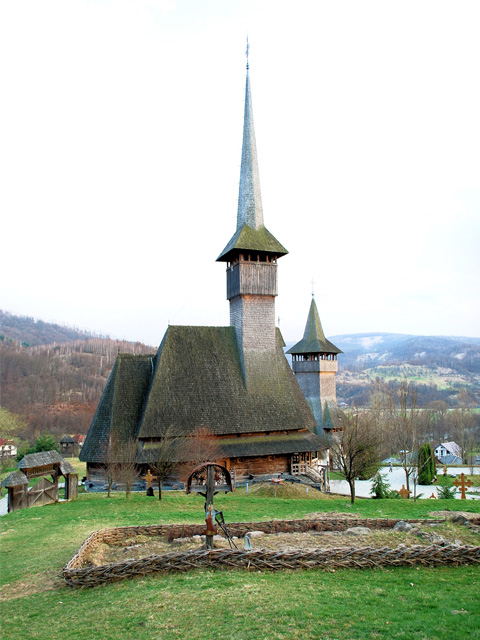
(251, 257)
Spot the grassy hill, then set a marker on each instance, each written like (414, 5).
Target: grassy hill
(405, 602)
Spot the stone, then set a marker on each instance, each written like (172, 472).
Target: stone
(255, 534)
(429, 536)
(403, 526)
(358, 531)
(181, 540)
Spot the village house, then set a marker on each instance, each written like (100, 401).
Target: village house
(8, 448)
(233, 382)
(449, 453)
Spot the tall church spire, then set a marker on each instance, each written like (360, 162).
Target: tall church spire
(249, 196)
(251, 234)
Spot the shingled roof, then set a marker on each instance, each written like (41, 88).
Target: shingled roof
(199, 382)
(120, 408)
(314, 340)
(44, 458)
(195, 380)
(15, 479)
(248, 239)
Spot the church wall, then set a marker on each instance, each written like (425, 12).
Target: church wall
(264, 465)
(244, 467)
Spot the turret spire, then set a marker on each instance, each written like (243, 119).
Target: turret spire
(314, 340)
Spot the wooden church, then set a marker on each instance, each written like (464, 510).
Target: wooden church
(233, 381)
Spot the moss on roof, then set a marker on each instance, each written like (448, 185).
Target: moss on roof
(249, 239)
(120, 408)
(199, 382)
(195, 380)
(314, 340)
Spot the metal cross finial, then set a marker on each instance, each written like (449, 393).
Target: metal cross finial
(313, 288)
(246, 52)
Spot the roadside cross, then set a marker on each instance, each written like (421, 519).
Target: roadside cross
(462, 484)
(403, 492)
(148, 477)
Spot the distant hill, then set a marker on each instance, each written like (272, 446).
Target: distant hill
(439, 365)
(35, 332)
(364, 350)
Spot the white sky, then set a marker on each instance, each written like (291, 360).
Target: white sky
(120, 144)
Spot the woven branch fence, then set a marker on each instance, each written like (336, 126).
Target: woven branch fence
(76, 575)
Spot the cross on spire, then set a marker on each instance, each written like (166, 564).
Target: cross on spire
(247, 50)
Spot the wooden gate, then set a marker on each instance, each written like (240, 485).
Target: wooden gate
(17, 498)
(44, 492)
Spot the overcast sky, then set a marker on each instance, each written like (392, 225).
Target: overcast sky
(120, 147)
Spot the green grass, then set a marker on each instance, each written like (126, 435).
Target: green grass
(433, 604)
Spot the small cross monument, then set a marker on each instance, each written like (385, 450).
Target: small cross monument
(149, 478)
(462, 484)
(404, 492)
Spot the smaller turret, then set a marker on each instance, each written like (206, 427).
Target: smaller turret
(314, 362)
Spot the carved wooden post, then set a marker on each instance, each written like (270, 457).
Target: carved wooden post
(209, 511)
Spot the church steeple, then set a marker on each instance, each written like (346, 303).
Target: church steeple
(251, 234)
(250, 209)
(251, 257)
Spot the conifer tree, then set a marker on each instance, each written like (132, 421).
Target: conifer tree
(426, 464)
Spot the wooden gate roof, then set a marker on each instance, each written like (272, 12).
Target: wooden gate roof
(44, 458)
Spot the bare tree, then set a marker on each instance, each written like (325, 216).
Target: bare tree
(201, 446)
(406, 427)
(127, 468)
(121, 463)
(355, 448)
(165, 458)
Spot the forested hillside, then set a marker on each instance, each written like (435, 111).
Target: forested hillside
(32, 332)
(54, 387)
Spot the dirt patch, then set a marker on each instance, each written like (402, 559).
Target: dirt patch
(140, 546)
(321, 515)
(289, 490)
(39, 583)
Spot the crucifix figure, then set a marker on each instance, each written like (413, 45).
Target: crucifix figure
(462, 484)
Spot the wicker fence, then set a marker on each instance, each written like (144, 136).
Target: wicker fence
(76, 574)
